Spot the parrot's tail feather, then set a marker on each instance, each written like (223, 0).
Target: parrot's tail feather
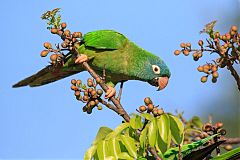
(46, 75)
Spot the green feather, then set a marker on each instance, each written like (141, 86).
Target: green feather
(104, 39)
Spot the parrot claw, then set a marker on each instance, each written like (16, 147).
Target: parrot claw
(81, 58)
(110, 92)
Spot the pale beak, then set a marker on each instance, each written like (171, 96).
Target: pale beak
(162, 82)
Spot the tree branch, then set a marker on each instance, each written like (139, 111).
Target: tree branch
(234, 74)
(232, 141)
(120, 110)
(120, 91)
(154, 153)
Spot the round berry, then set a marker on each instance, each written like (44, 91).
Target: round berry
(85, 98)
(214, 80)
(99, 107)
(188, 44)
(160, 111)
(92, 103)
(53, 57)
(147, 101)
(54, 30)
(200, 68)
(73, 81)
(215, 74)
(200, 43)
(234, 28)
(150, 107)
(204, 79)
(219, 125)
(64, 45)
(79, 82)
(99, 92)
(67, 33)
(64, 25)
(186, 52)
(47, 45)
(214, 68)
(74, 88)
(182, 45)
(77, 93)
(142, 108)
(177, 52)
(228, 147)
(44, 53)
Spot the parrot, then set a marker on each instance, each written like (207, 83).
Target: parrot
(111, 51)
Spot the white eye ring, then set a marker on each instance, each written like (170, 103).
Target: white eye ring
(156, 69)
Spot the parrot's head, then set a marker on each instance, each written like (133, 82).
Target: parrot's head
(158, 72)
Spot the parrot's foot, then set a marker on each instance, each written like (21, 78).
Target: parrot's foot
(81, 58)
(110, 92)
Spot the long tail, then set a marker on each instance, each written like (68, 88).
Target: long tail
(47, 75)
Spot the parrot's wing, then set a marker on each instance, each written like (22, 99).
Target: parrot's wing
(104, 39)
(46, 75)
(51, 73)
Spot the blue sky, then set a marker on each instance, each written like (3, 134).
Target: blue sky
(47, 122)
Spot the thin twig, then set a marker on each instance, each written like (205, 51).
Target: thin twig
(154, 153)
(232, 140)
(120, 91)
(104, 74)
(180, 152)
(234, 74)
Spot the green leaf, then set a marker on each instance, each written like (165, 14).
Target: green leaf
(129, 143)
(110, 158)
(233, 154)
(187, 148)
(152, 133)
(164, 131)
(197, 122)
(136, 122)
(102, 150)
(143, 136)
(90, 152)
(102, 133)
(125, 155)
(114, 147)
(147, 116)
(118, 130)
(177, 129)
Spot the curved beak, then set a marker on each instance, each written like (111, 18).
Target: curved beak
(162, 82)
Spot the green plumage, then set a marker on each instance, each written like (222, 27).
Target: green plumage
(122, 59)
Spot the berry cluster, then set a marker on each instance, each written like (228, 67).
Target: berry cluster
(88, 94)
(209, 69)
(226, 46)
(59, 28)
(207, 130)
(150, 108)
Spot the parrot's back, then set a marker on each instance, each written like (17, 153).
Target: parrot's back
(101, 40)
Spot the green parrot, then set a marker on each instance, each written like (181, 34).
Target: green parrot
(111, 51)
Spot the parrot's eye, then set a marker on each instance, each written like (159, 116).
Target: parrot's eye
(156, 69)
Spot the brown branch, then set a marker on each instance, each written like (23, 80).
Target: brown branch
(154, 153)
(120, 91)
(232, 141)
(120, 110)
(108, 105)
(234, 74)
(229, 64)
